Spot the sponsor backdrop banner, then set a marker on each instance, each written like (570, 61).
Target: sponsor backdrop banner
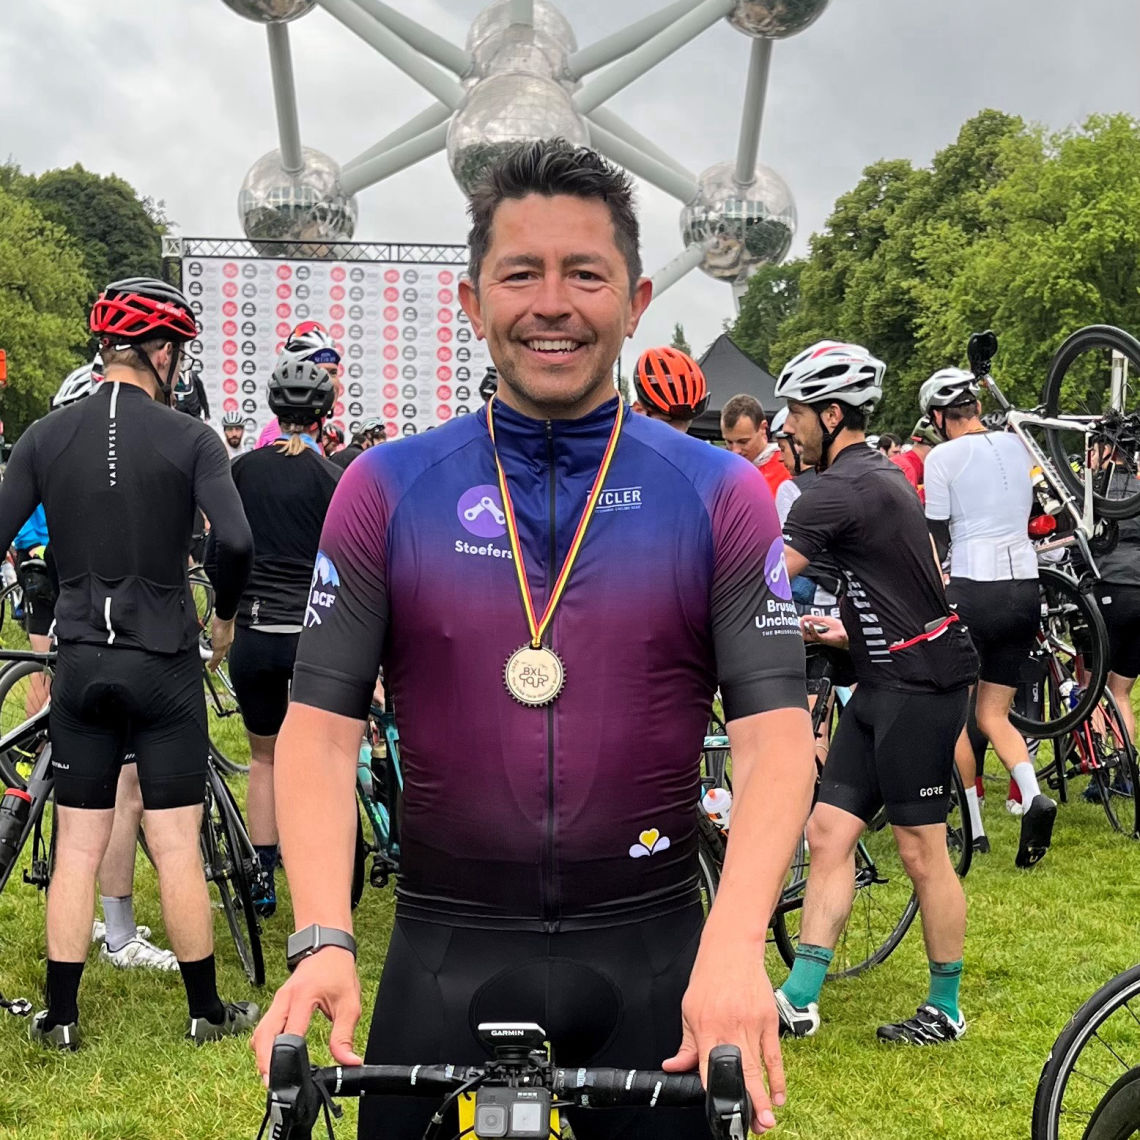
(408, 353)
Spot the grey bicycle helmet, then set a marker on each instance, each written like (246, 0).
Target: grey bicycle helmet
(233, 419)
(300, 391)
(947, 388)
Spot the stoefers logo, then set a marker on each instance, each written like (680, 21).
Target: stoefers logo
(322, 591)
(619, 499)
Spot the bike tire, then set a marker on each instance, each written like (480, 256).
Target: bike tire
(1053, 398)
(358, 863)
(224, 764)
(710, 859)
(1083, 1027)
(1071, 615)
(231, 865)
(6, 601)
(1116, 781)
(23, 748)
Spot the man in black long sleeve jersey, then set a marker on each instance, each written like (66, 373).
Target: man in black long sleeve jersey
(120, 476)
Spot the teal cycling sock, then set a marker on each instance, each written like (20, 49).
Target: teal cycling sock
(808, 972)
(945, 978)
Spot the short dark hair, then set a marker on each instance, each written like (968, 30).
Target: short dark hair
(740, 406)
(887, 440)
(550, 167)
(960, 413)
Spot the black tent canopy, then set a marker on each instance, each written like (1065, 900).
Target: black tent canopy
(728, 372)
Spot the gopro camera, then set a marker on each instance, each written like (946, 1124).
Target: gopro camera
(514, 1113)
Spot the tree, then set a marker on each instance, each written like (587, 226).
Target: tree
(44, 288)
(119, 233)
(679, 342)
(773, 295)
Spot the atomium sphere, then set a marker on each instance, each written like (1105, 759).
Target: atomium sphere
(306, 207)
(502, 111)
(740, 227)
(266, 11)
(548, 22)
(519, 48)
(775, 19)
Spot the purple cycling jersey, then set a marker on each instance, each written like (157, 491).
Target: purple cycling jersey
(584, 811)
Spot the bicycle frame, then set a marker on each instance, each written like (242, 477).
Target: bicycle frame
(380, 808)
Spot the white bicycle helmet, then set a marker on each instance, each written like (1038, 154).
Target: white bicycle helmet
(776, 427)
(233, 419)
(833, 371)
(310, 341)
(947, 387)
(79, 383)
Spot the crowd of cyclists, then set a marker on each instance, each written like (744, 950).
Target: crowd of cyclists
(335, 585)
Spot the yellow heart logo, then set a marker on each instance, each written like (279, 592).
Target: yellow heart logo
(650, 837)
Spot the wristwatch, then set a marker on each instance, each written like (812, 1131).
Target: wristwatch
(305, 943)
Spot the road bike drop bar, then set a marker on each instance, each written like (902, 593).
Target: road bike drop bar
(514, 1092)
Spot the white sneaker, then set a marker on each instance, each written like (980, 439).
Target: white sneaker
(139, 953)
(1014, 807)
(99, 931)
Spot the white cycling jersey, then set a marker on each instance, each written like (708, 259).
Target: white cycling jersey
(981, 483)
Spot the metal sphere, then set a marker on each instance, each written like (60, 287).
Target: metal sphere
(740, 227)
(502, 111)
(775, 19)
(307, 207)
(519, 48)
(267, 11)
(548, 22)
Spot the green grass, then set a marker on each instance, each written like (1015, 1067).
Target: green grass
(1039, 943)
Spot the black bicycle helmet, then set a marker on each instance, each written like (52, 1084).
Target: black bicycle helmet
(489, 385)
(300, 391)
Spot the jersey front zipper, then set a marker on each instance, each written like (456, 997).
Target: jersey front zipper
(550, 893)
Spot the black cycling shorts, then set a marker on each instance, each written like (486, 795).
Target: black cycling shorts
(108, 702)
(605, 997)
(1002, 619)
(1120, 606)
(261, 668)
(895, 749)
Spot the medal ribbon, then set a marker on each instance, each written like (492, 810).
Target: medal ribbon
(538, 626)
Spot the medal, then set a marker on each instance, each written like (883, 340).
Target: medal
(534, 674)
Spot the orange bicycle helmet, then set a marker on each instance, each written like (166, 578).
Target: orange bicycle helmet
(670, 381)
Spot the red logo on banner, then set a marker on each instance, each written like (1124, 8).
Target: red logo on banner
(337, 273)
(229, 367)
(230, 405)
(337, 292)
(446, 296)
(230, 269)
(229, 347)
(391, 352)
(392, 276)
(390, 430)
(283, 330)
(445, 316)
(229, 309)
(279, 346)
(229, 387)
(391, 372)
(284, 292)
(336, 332)
(229, 289)
(339, 348)
(336, 312)
(443, 392)
(285, 312)
(390, 410)
(391, 294)
(284, 272)
(443, 335)
(391, 313)
(391, 332)
(446, 277)
(391, 391)
(229, 328)
(443, 412)
(443, 353)
(443, 373)
(339, 409)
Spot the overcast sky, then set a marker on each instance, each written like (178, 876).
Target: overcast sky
(175, 96)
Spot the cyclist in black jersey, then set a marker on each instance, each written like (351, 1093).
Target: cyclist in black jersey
(285, 489)
(913, 662)
(120, 475)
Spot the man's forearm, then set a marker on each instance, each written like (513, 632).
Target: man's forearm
(314, 782)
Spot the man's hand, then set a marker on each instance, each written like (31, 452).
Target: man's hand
(326, 981)
(824, 631)
(221, 638)
(729, 1002)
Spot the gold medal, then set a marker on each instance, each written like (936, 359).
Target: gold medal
(534, 674)
(534, 677)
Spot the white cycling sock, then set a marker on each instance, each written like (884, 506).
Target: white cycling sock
(119, 914)
(1026, 781)
(975, 812)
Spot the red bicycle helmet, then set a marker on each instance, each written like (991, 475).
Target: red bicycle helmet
(670, 381)
(142, 308)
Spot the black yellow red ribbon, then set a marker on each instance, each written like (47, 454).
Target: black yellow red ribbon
(538, 626)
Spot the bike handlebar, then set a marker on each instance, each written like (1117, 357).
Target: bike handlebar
(27, 655)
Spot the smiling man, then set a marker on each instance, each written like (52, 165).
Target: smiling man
(549, 730)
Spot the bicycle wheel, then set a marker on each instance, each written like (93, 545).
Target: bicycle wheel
(1112, 762)
(710, 859)
(1095, 374)
(791, 899)
(1071, 646)
(223, 720)
(231, 865)
(1089, 1088)
(959, 831)
(9, 597)
(17, 758)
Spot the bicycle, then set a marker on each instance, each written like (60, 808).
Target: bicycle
(518, 1093)
(1089, 1088)
(379, 786)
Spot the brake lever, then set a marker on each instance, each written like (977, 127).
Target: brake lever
(293, 1101)
(727, 1103)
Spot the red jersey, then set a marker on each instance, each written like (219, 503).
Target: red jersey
(913, 466)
